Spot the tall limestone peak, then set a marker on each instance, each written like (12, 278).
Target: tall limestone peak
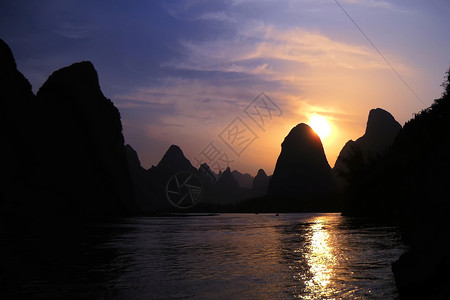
(132, 157)
(83, 130)
(261, 173)
(78, 78)
(174, 161)
(302, 169)
(301, 146)
(7, 61)
(15, 89)
(382, 128)
(73, 93)
(260, 183)
(18, 128)
(381, 131)
(72, 136)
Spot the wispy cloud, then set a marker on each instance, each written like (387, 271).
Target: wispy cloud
(215, 16)
(275, 54)
(73, 31)
(373, 4)
(181, 70)
(185, 101)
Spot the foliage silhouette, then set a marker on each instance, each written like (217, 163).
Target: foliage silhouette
(410, 186)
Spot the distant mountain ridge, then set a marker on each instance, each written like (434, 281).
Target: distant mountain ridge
(150, 184)
(244, 180)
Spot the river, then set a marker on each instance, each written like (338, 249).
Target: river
(225, 256)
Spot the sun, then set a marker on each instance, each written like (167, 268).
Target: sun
(320, 125)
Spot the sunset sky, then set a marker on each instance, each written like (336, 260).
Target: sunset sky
(184, 72)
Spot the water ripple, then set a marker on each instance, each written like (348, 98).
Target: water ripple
(233, 256)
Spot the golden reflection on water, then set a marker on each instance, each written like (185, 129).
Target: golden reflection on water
(320, 259)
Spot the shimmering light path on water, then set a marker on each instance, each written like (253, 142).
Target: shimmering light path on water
(233, 256)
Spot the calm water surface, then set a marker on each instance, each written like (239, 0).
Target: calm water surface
(228, 256)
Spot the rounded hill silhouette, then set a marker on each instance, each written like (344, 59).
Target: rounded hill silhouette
(302, 171)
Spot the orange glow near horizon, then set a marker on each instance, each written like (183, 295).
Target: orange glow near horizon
(330, 85)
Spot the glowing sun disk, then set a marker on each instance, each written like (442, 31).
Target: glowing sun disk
(320, 125)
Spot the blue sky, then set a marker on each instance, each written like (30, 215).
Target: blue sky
(181, 71)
